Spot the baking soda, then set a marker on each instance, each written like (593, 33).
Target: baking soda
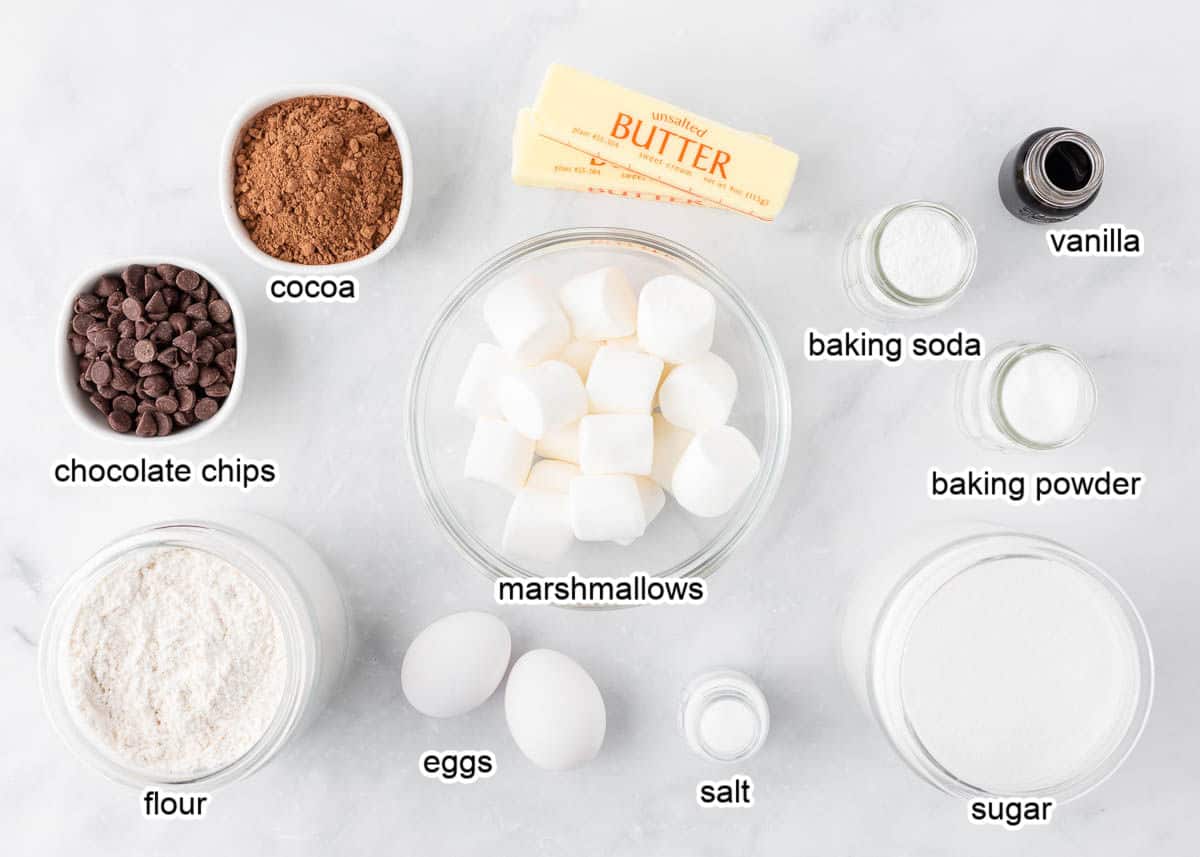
(1020, 674)
(176, 662)
(922, 252)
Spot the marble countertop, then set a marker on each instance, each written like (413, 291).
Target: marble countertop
(113, 115)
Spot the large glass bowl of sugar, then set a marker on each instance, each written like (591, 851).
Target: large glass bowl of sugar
(676, 543)
(1003, 665)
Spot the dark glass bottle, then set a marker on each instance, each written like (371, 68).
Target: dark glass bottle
(1052, 175)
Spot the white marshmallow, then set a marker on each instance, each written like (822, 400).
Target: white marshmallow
(699, 395)
(606, 509)
(560, 443)
(670, 442)
(476, 394)
(676, 318)
(498, 455)
(542, 397)
(715, 471)
(600, 304)
(616, 443)
(538, 526)
(622, 382)
(653, 500)
(625, 343)
(525, 320)
(579, 354)
(553, 477)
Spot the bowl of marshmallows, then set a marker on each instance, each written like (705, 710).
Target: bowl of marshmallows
(598, 401)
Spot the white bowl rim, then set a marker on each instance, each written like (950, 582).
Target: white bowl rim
(713, 555)
(73, 397)
(256, 105)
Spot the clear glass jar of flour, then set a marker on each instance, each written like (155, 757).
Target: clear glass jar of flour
(1025, 396)
(908, 261)
(999, 665)
(257, 558)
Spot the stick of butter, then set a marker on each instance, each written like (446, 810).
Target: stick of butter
(540, 162)
(692, 155)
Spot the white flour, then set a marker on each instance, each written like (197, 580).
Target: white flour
(1020, 674)
(176, 661)
(922, 253)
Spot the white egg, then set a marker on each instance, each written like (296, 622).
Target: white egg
(456, 663)
(554, 710)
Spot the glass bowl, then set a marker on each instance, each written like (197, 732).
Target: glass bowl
(676, 544)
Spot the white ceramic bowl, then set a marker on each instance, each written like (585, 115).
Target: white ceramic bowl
(225, 176)
(76, 400)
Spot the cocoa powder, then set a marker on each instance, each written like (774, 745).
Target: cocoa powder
(318, 180)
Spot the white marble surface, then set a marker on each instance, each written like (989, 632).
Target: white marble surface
(112, 116)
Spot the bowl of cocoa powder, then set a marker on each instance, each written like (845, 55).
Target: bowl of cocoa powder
(316, 179)
(151, 350)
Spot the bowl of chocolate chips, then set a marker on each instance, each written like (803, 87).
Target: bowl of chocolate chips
(152, 350)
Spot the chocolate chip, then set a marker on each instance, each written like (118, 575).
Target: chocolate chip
(133, 276)
(146, 407)
(155, 386)
(157, 305)
(179, 322)
(220, 311)
(217, 391)
(125, 349)
(165, 426)
(127, 328)
(227, 360)
(81, 323)
(106, 391)
(101, 403)
(187, 399)
(198, 311)
(113, 304)
(162, 332)
(166, 404)
(123, 380)
(78, 343)
(107, 286)
(84, 384)
(201, 292)
(202, 328)
(147, 426)
(145, 351)
(132, 308)
(145, 370)
(205, 351)
(100, 373)
(107, 339)
(187, 280)
(168, 272)
(170, 295)
(152, 284)
(208, 376)
(126, 403)
(186, 374)
(120, 421)
(181, 418)
(141, 329)
(169, 357)
(206, 408)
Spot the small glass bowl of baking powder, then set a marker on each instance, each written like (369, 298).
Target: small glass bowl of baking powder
(295, 585)
(908, 261)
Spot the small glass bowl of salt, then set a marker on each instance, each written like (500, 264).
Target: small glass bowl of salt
(908, 261)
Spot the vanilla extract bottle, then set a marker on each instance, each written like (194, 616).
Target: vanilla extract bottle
(1052, 175)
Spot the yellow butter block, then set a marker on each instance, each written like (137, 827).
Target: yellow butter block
(690, 154)
(540, 162)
